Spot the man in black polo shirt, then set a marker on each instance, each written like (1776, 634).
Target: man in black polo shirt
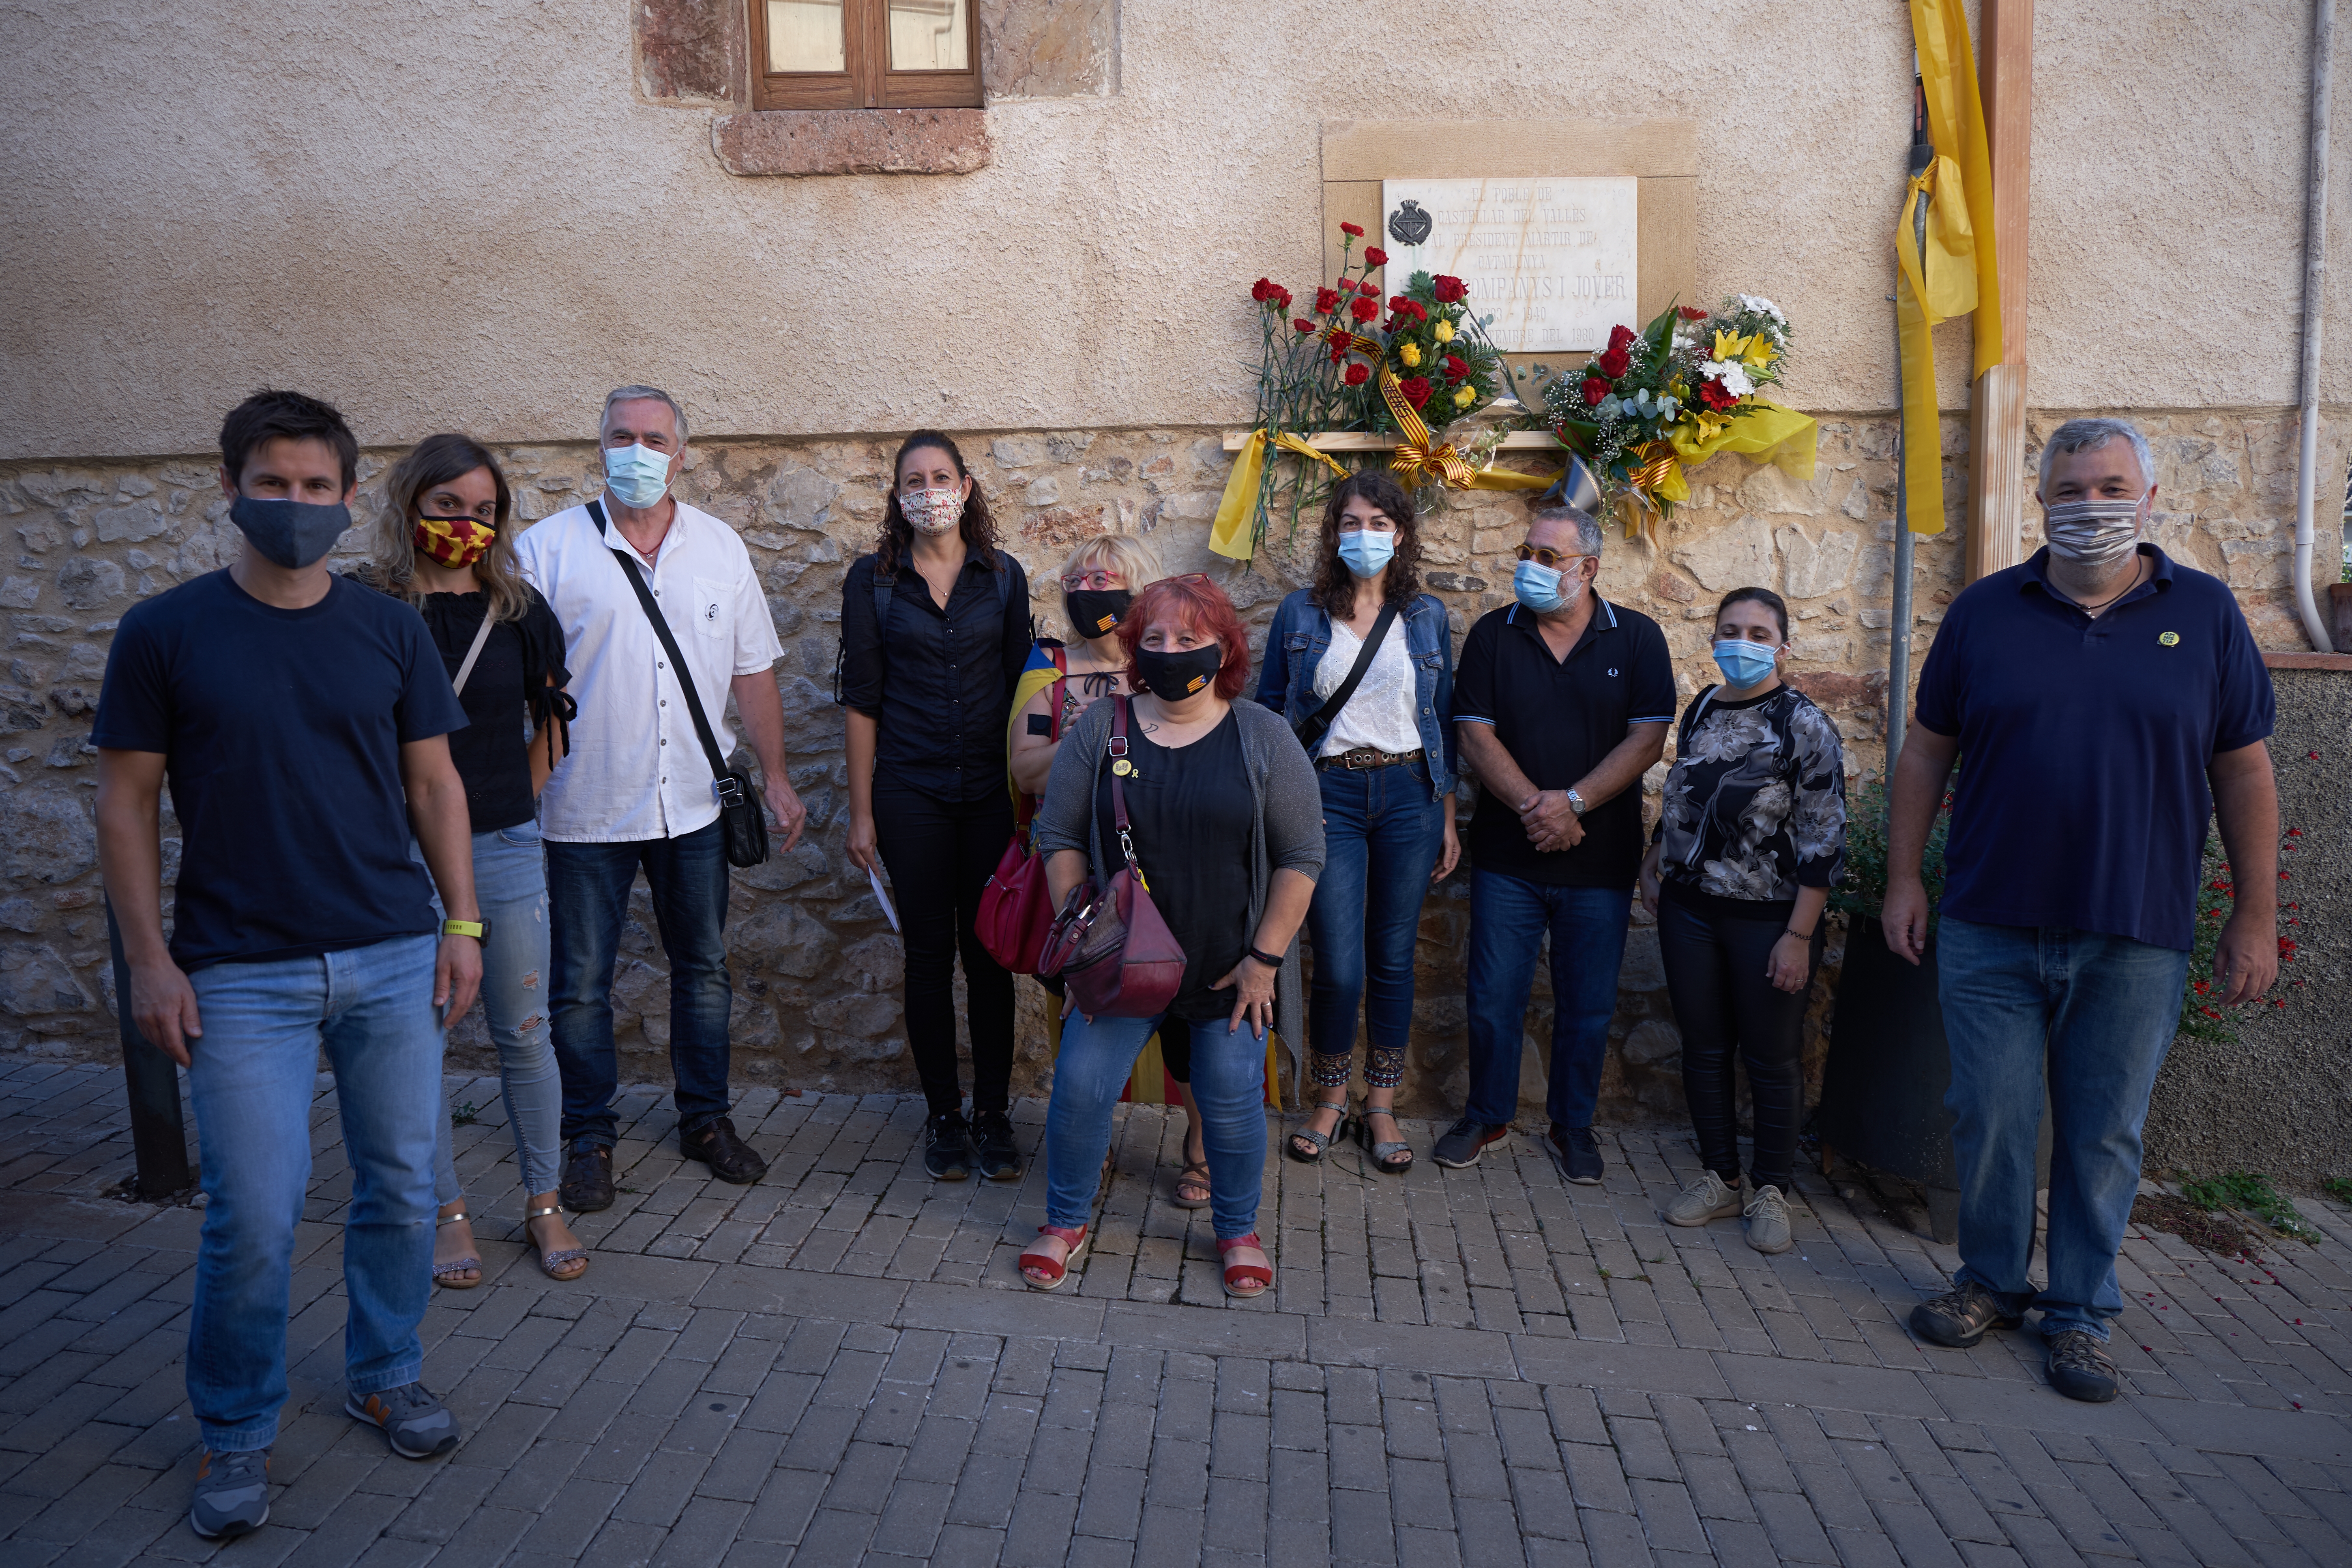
(1561, 703)
(2108, 701)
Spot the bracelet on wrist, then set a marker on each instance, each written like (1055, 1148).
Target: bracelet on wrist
(1271, 960)
(1799, 935)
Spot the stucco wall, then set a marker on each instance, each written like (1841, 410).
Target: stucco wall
(459, 213)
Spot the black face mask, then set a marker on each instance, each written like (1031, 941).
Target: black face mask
(1095, 611)
(1173, 677)
(292, 533)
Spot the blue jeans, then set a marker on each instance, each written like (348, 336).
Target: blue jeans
(2096, 1013)
(510, 883)
(1228, 1084)
(588, 902)
(1381, 832)
(252, 1077)
(1509, 918)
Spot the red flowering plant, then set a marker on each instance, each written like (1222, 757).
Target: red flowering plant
(2202, 1015)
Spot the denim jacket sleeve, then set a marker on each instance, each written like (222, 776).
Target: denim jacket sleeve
(1274, 667)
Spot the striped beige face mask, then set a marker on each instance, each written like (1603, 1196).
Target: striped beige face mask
(2095, 531)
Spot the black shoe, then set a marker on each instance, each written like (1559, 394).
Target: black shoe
(991, 1137)
(232, 1495)
(730, 1158)
(1463, 1142)
(1959, 1317)
(588, 1183)
(1576, 1152)
(947, 1147)
(2079, 1368)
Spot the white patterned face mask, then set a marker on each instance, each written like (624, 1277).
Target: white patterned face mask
(931, 511)
(2094, 530)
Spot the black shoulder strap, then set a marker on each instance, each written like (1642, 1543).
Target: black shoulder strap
(677, 659)
(1319, 723)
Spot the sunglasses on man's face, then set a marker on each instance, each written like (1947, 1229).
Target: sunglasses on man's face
(1549, 560)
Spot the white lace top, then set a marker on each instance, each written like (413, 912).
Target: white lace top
(1381, 713)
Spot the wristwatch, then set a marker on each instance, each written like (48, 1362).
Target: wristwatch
(478, 930)
(1576, 804)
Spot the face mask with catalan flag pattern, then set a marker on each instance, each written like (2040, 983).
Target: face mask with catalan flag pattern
(454, 542)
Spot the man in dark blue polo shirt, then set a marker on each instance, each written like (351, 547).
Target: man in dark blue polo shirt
(2108, 701)
(1561, 702)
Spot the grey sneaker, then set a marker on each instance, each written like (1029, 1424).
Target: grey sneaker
(1768, 1221)
(1704, 1199)
(2079, 1368)
(418, 1424)
(1959, 1317)
(232, 1494)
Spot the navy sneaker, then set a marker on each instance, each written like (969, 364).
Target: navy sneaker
(1463, 1142)
(232, 1494)
(416, 1425)
(947, 1147)
(1578, 1153)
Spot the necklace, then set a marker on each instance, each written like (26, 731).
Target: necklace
(2093, 610)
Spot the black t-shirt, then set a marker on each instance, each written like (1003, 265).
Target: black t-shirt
(1558, 717)
(282, 731)
(939, 682)
(514, 667)
(1192, 815)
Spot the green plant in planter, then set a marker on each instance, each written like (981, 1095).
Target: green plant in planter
(1863, 891)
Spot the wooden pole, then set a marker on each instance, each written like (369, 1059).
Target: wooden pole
(1998, 488)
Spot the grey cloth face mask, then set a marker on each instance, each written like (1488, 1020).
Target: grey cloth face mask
(2095, 531)
(292, 533)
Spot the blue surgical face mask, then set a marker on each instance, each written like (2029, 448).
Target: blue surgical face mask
(637, 476)
(292, 533)
(1539, 588)
(1744, 663)
(1364, 550)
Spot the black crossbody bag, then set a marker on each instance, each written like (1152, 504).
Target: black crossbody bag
(743, 824)
(1318, 725)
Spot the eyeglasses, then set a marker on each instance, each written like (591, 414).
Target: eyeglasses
(1096, 580)
(1200, 577)
(1549, 560)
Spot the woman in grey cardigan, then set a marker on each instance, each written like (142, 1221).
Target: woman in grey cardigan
(1227, 825)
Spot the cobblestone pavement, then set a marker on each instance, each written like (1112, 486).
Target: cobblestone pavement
(839, 1365)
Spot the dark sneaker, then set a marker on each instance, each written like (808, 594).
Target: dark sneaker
(588, 1180)
(730, 1158)
(416, 1425)
(991, 1138)
(1959, 1317)
(1576, 1152)
(947, 1147)
(2079, 1368)
(1463, 1142)
(232, 1494)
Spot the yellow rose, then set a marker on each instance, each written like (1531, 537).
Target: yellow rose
(1443, 331)
(1466, 397)
(1410, 354)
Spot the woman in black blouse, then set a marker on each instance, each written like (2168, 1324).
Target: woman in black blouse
(444, 545)
(1749, 842)
(934, 634)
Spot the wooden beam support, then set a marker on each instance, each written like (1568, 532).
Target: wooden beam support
(1997, 488)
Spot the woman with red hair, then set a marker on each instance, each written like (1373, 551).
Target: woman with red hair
(1226, 826)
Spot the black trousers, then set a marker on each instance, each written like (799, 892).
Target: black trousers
(1723, 1002)
(939, 855)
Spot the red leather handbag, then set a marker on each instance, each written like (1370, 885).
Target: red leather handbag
(1016, 907)
(1109, 944)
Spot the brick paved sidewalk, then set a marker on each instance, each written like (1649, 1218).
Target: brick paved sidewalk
(839, 1364)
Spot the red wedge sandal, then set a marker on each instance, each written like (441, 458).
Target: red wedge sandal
(1073, 1246)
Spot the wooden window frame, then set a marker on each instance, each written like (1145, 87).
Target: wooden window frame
(868, 82)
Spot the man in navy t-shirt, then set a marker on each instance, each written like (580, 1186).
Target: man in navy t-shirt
(2108, 701)
(302, 724)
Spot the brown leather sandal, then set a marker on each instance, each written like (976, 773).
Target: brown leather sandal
(1194, 1175)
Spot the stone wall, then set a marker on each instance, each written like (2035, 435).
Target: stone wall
(816, 970)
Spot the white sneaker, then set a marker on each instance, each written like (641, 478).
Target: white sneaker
(1768, 1221)
(1704, 1199)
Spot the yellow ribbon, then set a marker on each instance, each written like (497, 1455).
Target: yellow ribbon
(1232, 534)
(1957, 272)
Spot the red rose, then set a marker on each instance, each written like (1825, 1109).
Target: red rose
(1302, 325)
(1358, 373)
(1456, 367)
(1619, 338)
(1614, 362)
(1326, 301)
(1375, 257)
(1448, 291)
(1595, 389)
(1405, 307)
(1353, 231)
(1364, 310)
(1415, 390)
(1691, 313)
(1716, 396)
(1262, 290)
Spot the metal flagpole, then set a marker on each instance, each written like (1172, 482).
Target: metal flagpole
(1898, 634)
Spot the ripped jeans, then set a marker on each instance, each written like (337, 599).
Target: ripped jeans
(510, 883)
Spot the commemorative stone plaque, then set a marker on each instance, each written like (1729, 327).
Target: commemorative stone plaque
(1552, 261)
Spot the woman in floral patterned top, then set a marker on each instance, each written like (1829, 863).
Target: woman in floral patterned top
(1751, 838)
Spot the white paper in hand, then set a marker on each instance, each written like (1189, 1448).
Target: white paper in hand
(882, 897)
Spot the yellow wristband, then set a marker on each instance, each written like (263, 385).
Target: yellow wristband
(474, 929)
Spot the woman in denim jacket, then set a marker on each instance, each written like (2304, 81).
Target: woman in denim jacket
(1385, 759)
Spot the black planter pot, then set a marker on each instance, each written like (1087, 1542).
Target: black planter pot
(1889, 1066)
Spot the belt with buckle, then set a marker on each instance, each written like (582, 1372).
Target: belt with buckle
(1370, 757)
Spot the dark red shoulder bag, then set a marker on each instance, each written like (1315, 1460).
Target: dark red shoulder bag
(1109, 944)
(1015, 908)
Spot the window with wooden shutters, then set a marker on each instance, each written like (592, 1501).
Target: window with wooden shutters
(865, 54)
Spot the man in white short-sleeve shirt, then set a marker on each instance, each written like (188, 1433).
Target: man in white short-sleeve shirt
(637, 791)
